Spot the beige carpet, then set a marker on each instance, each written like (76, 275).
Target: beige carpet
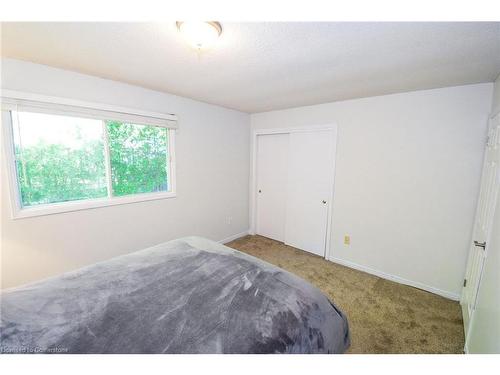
(384, 317)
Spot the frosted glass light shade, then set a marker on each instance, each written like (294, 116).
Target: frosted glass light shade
(200, 35)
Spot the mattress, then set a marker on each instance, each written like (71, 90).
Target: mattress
(190, 295)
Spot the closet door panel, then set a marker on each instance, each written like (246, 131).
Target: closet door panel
(309, 189)
(272, 168)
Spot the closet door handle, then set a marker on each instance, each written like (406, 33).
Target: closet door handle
(480, 244)
(324, 202)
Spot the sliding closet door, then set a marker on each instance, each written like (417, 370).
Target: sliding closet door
(309, 189)
(272, 167)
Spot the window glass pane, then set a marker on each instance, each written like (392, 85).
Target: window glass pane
(58, 158)
(138, 157)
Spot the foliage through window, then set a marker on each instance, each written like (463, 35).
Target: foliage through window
(138, 158)
(65, 158)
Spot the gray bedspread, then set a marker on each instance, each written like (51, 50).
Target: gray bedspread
(190, 295)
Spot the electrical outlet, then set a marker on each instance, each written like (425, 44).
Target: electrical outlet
(347, 240)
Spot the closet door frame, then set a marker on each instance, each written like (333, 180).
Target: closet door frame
(253, 176)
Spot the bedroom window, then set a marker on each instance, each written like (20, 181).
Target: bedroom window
(66, 158)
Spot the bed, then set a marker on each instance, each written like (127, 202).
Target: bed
(190, 295)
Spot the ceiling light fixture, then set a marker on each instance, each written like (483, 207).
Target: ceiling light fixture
(200, 35)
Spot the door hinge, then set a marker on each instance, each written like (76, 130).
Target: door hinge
(465, 283)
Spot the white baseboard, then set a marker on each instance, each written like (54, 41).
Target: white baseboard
(232, 238)
(397, 279)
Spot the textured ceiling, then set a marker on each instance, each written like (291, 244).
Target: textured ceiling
(258, 67)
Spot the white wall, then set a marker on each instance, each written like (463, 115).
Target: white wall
(407, 179)
(212, 183)
(484, 334)
(495, 106)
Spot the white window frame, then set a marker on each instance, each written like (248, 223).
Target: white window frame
(9, 98)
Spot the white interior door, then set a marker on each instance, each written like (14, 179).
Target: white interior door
(272, 169)
(482, 226)
(309, 189)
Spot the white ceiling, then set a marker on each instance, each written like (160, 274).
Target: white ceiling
(258, 67)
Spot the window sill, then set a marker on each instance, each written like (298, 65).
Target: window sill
(56, 208)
